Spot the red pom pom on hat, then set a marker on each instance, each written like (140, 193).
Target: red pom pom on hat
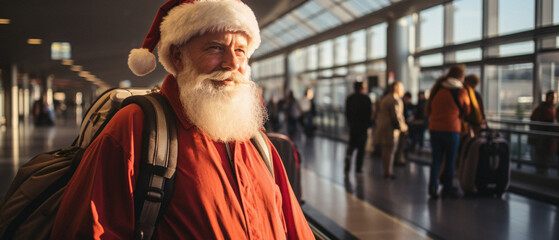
(141, 60)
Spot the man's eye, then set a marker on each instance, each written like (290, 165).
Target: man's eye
(217, 48)
(240, 50)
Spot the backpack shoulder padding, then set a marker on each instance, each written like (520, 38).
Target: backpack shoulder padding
(259, 141)
(155, 185)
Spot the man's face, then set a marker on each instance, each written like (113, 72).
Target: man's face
(399, 89)
(551, 98)
(215, 87)
(220, 51)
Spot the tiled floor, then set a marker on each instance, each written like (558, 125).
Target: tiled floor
(359, 218)
(366, 206)
(407, 206)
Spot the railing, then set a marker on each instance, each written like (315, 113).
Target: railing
(524, 155)
(331, 122)
(527, 144)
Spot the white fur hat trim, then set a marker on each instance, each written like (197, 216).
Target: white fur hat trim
(190, 19)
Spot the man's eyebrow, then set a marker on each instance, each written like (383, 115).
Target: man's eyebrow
(213, 42)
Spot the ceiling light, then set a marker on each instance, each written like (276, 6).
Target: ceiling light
(67, 62)
(76, 68)
(84, 74)
(4, 21)
(34, 41)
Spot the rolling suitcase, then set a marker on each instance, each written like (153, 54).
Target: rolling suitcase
(485, 165)
(291, 160)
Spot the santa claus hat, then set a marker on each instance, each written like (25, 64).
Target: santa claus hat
(177, 21)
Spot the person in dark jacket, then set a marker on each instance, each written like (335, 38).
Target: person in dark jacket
(358, 110)
(543, 146)
(418, 124)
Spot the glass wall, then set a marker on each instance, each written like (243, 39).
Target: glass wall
(510, 44)
(378, 41)
(358, 46)
(341, 53)
(512, 85)
(431, 27)
(516, 16)
(269, 74)
(467, 20)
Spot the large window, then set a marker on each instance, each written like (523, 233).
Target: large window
(378, 41)
(272, 89)
(468, 55)
(297, 60)
(326, 54)
(549, 69)
(431, 27)
(511, 85)
(431, 60)
(555, 12)
(427, 79)
(550, 76)
(516, 16)
(358, 46)
(341, 56)
(516, 48)
(312, 57)
(467, 20)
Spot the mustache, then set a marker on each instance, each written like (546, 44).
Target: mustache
(227, 75)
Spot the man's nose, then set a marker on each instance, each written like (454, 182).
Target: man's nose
(230, 61)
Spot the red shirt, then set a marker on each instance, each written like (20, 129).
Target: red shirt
(208, 201)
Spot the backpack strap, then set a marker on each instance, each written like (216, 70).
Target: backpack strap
(259, 141)
(154, 188)
(454, 93)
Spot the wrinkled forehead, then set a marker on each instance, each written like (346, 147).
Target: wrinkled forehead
(222, 37)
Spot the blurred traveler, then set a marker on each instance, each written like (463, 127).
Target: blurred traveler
(418, 124)
(408, 106)
(403, 149)
(358, 109)
(43, 113)
(272, 107)
(292, 112)
(390, 124)
(447, 103)
(476, 118)
(223, 189)
(543, 147)
(307, 112)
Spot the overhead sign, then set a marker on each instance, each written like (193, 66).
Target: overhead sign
(60, 51)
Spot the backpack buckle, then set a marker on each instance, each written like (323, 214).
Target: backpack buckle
(154, 194)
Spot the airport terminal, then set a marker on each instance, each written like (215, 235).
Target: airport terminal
(58, 57)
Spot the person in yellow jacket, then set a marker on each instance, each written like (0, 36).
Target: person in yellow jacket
(475, 121)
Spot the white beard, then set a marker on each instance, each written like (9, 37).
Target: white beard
(224, 113)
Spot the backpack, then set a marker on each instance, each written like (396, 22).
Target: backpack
(30, 206)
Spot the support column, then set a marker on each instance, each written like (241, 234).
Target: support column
(14, 99)
(2, 98)
(26, 98)
(449, 57)
(48, 89)
(398, 51)
(490, 26)
(544, 17)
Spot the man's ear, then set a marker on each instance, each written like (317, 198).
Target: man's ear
(176, 57)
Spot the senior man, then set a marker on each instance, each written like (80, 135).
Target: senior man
(205, 46)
